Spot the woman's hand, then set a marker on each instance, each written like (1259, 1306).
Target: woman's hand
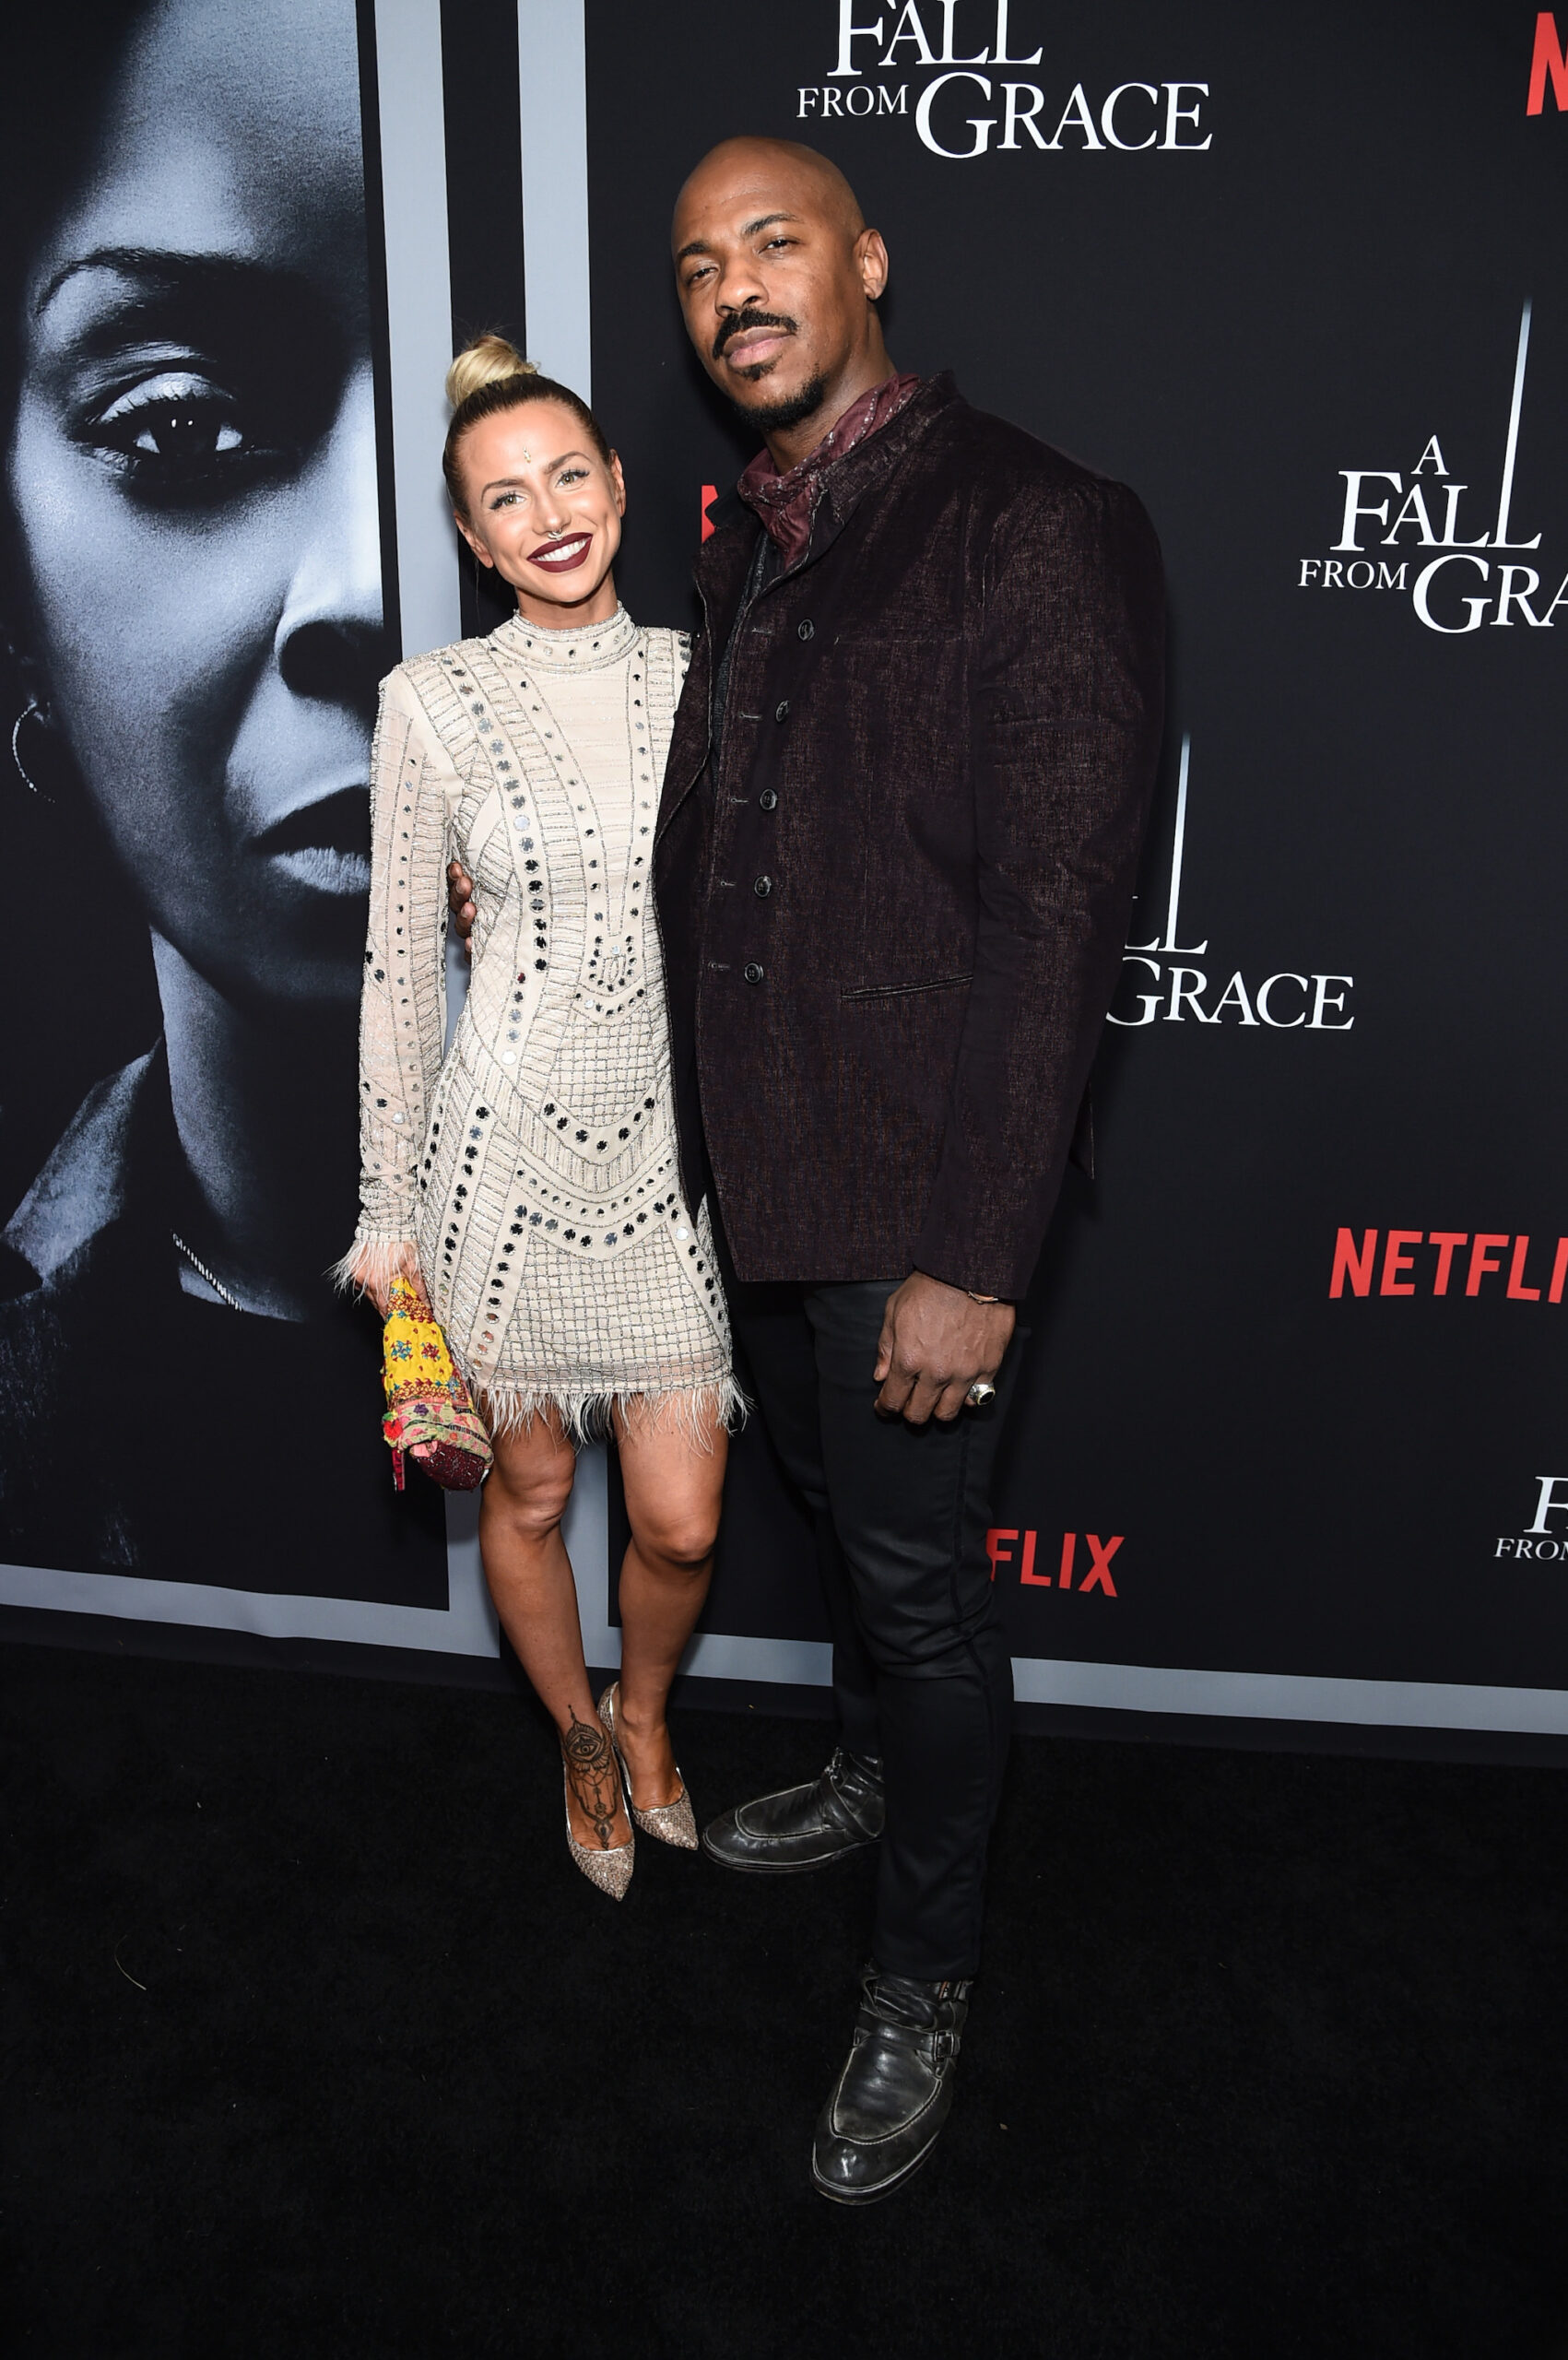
(380, 1296)
(378, 1265)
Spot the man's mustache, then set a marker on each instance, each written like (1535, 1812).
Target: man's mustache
(742, 325)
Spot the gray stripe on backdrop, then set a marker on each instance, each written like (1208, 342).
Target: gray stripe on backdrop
(552, 76)
(1291, 1696)
(418, 304)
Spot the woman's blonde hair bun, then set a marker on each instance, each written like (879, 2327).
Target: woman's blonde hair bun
(487, 362)
(489, 376)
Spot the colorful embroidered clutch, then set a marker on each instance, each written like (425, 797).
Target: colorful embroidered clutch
(427, 1400)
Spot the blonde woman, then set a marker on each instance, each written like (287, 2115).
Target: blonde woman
(529, 1181)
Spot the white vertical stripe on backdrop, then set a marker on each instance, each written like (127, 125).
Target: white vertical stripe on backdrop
(418, 304)
(552, 73)
(419, 307)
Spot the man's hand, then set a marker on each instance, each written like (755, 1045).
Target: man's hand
(935, 1343)
(460, 901)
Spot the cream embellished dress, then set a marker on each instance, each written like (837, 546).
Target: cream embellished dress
(534, 1165)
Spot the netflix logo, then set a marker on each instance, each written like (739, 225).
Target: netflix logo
(1443, 1261)
(1548, 63)
(1096, 1573)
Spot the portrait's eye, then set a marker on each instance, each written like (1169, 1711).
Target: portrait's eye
(179, 432)
(171, 417)
(572, 474)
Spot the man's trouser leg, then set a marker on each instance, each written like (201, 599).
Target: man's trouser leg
(780, 1347)
(906, 1512)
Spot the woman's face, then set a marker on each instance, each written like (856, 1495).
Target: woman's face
(545, 510)
(193, 472)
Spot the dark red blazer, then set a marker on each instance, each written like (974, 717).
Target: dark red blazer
(894, 902)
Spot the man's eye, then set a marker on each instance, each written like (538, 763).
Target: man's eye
(174, 419)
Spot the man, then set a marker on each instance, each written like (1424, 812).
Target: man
(894, 864)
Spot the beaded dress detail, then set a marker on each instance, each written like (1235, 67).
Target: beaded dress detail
(534, 1165)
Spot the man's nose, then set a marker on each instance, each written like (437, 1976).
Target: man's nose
(330, 640)
(740, 285)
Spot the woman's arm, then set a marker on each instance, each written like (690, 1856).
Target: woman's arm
(402, 1007)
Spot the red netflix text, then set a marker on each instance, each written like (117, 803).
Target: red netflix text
(1096, 1573)
(1444, 1261)
(1548, 62)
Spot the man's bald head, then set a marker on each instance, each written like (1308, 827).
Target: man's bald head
(779, 276)
(751, 159)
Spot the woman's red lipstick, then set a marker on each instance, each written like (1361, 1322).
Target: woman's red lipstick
(563, 556)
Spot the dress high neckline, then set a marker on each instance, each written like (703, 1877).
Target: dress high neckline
(588, 650)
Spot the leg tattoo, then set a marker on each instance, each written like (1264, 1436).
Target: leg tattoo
(590, 1765)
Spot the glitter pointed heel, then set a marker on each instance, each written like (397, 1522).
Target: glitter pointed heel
(671, 1823)
(611, 1870)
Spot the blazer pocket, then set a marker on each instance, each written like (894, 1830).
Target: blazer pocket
(905, 991)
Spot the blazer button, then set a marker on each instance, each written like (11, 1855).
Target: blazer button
(752, 973)
(762, 887)
(768, 799)
(781, 711)
(805, 630)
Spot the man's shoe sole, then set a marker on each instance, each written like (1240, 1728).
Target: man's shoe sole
(868, 2195)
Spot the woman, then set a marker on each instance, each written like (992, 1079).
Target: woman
(529, 1182)
(193, 615)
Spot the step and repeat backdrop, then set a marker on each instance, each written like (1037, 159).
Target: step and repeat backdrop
(1291, 1441)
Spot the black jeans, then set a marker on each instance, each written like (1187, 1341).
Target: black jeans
(921, 1669)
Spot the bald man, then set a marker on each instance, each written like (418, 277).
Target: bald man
(894, 868)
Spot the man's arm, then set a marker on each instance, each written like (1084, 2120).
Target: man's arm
(1065, 717)
(1066, 723)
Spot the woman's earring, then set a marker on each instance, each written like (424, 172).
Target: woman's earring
(32, 710)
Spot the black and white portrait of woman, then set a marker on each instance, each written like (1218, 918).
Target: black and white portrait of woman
(191, 596)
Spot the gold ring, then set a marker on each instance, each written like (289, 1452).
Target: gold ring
(980, 1394)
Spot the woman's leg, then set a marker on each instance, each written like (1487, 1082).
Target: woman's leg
(673, 1487)
(530, 1578)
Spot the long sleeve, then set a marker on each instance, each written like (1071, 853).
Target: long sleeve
(1065, 715)
(403, 1006)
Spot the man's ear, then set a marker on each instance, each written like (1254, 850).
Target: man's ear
(871, 259)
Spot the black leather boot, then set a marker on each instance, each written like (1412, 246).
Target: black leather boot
(892, 2097)
(801, 1827)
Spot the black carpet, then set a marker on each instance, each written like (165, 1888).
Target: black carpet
(317, 2044)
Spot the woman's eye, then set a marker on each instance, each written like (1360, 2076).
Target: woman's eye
(572, 474)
